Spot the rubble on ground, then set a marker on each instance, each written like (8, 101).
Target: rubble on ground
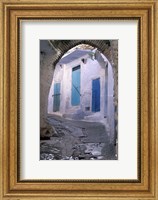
(71, 141)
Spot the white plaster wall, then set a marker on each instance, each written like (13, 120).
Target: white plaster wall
(110, 100)
(89, 71)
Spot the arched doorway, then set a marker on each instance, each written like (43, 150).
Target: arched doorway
(83, 87)
(78, 101)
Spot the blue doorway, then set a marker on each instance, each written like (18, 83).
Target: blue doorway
(75, 95)
(56, 103)
(96, 95)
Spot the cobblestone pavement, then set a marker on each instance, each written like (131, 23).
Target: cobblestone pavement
(76, 140)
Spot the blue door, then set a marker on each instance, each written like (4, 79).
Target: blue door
(75, 96)
(56, 103)
(96, 95)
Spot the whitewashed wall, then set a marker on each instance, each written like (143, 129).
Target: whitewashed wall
(110, 114)
(89, 71)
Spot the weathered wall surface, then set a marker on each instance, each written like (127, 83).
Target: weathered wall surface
(46, 72)
(110, 103)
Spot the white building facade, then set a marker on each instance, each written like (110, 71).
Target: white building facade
(82, 87)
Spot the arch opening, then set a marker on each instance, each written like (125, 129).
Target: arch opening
(82, 92)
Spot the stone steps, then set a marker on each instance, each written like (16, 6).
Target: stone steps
(74, 114)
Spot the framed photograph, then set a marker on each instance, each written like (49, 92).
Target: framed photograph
(79, 100)
(81, 118)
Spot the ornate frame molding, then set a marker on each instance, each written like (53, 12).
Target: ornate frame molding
(11, 186)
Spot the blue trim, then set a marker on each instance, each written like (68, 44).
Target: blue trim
(96, 95)
(56, 103)
(75, 96)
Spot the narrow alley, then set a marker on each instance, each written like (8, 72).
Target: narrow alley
(76, 140)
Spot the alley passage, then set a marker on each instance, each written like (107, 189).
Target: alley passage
(76, 140)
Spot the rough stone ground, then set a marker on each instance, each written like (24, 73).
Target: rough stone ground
(76, 140)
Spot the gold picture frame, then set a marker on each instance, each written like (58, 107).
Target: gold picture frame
(12, 12)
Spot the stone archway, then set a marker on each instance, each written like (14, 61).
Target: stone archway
(50, 53)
